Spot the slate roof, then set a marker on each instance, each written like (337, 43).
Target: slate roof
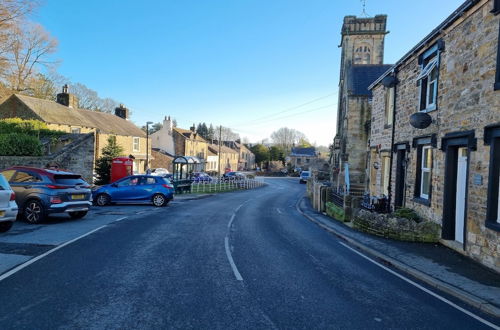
(303, 152)
(54, 113)
(188, 134)
(215, 149)
(361, 76)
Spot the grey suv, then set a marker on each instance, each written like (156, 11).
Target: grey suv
(40, 192)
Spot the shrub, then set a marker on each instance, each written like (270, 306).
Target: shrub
(31, 127)
(103, 164)
(407, 214)
(18, 144)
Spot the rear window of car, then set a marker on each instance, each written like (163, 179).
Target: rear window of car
(305, 174)
(4, 185)
(22, 176)
(70, 180)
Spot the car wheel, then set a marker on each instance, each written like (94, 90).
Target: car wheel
(102, 200)
(5, 226)
(159, 200)
(77, 214)
(33, 212)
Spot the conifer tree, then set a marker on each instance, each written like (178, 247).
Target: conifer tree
(103, 163)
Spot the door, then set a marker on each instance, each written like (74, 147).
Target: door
(400, 178)
(461, 194)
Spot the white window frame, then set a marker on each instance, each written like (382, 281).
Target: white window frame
(386, 165)
(425, 75)
(136, 144)
(425, 169)
(76, 130)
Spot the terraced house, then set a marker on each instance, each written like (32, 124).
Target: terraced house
(64, 115)
(435, 131)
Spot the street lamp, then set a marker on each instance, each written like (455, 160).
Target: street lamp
(147, 144)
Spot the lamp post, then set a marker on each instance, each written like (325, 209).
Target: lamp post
(147, 144)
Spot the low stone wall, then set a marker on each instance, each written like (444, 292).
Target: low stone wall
(77, 157)
(402, 229)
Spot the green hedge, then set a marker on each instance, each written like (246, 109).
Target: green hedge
(334, 211)
(28, 127)
(18, 144)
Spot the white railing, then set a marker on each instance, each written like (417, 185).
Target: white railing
(217, 185)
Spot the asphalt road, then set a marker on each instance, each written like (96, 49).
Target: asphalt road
(233, 261)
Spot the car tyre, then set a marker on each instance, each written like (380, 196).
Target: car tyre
(159, 200)
(77, 214)
(34, 212)
(102, 200)
(5, 226)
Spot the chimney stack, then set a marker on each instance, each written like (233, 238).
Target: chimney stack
(67, 99)
(193, 128)
(121, 112)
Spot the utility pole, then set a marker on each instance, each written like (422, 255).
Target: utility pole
(220, 136)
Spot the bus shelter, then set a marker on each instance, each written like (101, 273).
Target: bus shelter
(183, 169)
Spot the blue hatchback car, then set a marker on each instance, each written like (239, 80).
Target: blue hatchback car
(135, 189)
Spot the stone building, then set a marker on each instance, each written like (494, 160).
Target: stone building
(246, 158)
(64, 115)
(303, 158)
(438, 144)
(228, 158)
(361, 63)
(180, 142)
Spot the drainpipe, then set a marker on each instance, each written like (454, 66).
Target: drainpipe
(389, 188)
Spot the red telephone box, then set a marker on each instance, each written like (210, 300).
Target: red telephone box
(121, 167)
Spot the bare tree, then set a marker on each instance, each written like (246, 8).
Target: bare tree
(287, 137)
(27, 53)
(226, 134)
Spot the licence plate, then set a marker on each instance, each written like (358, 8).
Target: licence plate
(80, 196)
(2, 213)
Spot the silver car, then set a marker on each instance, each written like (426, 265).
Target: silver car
(8, 206)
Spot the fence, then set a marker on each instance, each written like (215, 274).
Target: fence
(217, 185)
(337, 196)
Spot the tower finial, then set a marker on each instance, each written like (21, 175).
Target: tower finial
(364, 13)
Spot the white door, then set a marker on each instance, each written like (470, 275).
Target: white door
(460, 196)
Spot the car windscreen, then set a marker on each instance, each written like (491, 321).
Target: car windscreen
(70, 180)
(4, 185)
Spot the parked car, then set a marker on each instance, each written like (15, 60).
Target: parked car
(8, 205)
(40, 192)
(135, 189)
(163, 172)
(201, 177)
(304, 175)
(233, 176)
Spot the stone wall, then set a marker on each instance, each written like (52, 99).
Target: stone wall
(160, 160)
(77, 157)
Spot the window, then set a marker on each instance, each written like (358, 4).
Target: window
(75, 130)
(362, 55)
(389, 105)
(428, 79)
(136, 144)
(8, 174)
(425, 172)
(386, 167)
(423, 177)
(492, 138)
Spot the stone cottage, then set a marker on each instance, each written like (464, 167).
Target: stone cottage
(64, 115)
(302, 158)
(435, 135)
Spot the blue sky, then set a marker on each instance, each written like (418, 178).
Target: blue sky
(244, 64)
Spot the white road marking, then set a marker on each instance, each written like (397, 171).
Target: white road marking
(120, 219)
(424, 289)
(29, 262)
(226, 245)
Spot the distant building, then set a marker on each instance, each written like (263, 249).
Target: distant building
(303, 158)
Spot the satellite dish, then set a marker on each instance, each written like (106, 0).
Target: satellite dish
(420, 120)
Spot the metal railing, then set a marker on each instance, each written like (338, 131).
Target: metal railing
(218, 185)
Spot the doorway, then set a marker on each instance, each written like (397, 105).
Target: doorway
(461, 194)
(400, 178)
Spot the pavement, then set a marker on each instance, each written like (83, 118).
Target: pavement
(433, 264)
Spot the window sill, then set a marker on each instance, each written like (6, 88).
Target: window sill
(492, 225)
(495, 11)
(386, 126)
(422, 201)
(497, 86)
(428, 110)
